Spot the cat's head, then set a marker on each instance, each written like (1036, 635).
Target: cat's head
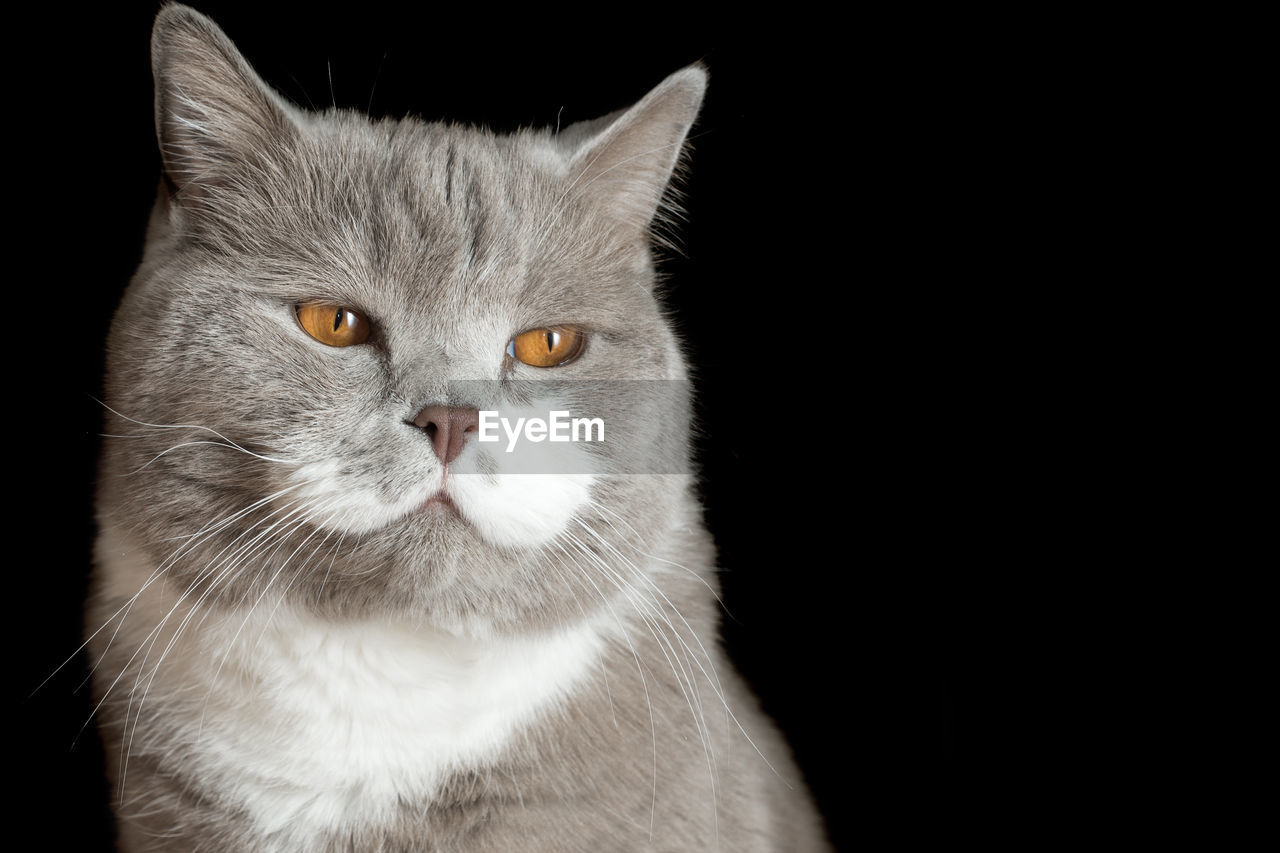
(326, 306)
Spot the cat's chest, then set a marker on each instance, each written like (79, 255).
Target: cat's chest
(311, 727)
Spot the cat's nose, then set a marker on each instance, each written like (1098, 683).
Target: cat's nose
(447, 427)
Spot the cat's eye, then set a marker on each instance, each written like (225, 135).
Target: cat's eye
(547, 347)
(334, 325)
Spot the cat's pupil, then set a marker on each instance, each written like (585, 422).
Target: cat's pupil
(337, 319)
(551, 341)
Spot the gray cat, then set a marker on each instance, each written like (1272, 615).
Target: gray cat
(330, 612)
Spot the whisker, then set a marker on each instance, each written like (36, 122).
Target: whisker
(224, 568)
(644, 682)
(683, 677)
(188, 426)
(155, 575)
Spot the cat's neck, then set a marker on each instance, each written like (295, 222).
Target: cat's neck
(320, 722)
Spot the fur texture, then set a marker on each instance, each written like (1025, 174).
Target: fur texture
(310, 633)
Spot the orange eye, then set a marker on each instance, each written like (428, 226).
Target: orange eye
(549, 347)
(335, 325)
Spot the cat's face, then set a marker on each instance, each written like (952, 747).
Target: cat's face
(271, 461)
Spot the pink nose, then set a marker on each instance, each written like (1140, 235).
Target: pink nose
(447, 427)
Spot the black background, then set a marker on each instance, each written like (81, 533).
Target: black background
(812, 473)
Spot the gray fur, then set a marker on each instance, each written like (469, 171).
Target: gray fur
(446, 236)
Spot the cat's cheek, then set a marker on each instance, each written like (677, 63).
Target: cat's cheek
(520, 510)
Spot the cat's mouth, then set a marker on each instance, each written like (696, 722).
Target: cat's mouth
(440, 502)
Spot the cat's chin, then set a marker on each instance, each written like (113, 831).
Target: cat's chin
(519, 510)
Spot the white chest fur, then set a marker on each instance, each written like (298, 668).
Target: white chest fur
(311, 725)
(330, 719)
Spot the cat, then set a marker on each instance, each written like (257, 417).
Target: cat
(327, 615)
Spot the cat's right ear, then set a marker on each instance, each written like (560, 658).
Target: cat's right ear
(214, 114)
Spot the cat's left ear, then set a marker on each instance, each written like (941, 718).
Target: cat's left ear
(624, 161)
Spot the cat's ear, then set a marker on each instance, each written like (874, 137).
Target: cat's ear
(624, 161)
(213, 112)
